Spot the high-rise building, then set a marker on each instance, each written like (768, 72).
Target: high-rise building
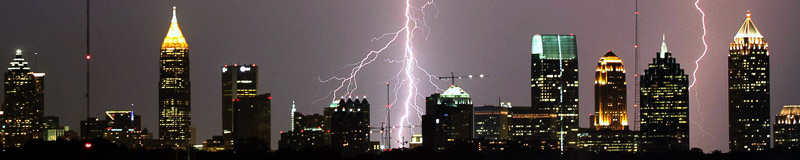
(174, 92)
(491, 122)
(23, 110)
(350, 127)
(554, 82)
(664, 104)
(251, 123)
(238, 82)
(610, 103)
(748, 90)
(448, 117)
(787, 127)
(608, 131)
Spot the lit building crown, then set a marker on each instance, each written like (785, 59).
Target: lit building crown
(790, 110)
(748, 29)
(19, 63)
(456, 92)
(174, 37)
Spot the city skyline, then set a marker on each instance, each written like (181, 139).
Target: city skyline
(114, 65)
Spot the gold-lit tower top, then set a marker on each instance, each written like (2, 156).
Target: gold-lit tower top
(174, 37)
(748, 29)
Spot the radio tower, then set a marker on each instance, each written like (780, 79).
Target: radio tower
(636, 71)
(88, 57)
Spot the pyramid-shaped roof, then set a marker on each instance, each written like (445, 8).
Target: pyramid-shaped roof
(748, 29)
(174, 38)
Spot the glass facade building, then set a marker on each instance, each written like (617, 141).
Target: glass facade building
(554, 83)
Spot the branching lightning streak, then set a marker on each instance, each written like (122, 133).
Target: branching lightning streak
(696, 68)
(404, 78)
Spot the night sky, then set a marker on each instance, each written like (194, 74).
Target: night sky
(297, 42)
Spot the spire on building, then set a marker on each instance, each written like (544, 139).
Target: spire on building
(294, 109)
(748, 29)
(663, 46)
(174, 38)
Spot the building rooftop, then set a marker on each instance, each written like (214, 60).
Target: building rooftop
(748, 29)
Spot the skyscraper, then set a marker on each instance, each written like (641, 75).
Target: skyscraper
(748, 90)
(174, 92)
(664, 104)
(554, 82)
(350, 126)
(238, 82)
(448, 117)
(251, 123)
(787, 127)
(610, 109)
(23, 110)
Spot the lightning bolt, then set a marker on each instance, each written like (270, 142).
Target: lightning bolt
(696, 68)
(414, 19)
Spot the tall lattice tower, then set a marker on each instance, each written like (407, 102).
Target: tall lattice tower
(636, 74)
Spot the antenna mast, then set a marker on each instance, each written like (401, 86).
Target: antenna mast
(88, 57)
(636, 71)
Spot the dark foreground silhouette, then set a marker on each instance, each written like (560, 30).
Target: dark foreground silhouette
(102, 149)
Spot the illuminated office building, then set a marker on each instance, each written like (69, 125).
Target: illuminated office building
(448, 117)
(664, 105)
(787, 127)
(610, 109)
(554, 83)
(239, 81)
(23, 110)
(748, 90)
(174, 92)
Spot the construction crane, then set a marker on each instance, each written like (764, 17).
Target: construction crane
(453, 77)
